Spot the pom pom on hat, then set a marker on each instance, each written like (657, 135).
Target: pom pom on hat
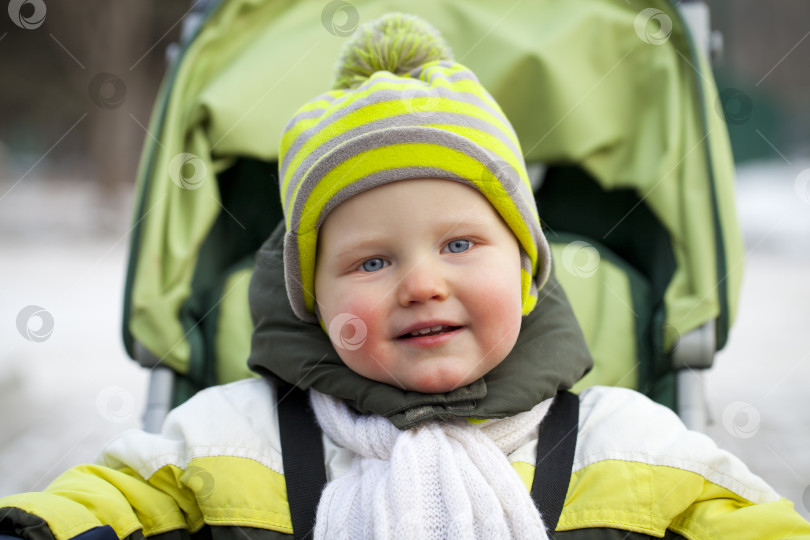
(395, 42)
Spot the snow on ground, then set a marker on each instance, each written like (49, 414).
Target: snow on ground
(63, 397)
(758, 387)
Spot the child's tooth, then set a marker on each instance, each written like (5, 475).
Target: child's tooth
(425, 331)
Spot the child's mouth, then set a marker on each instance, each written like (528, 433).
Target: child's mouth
(431, 331)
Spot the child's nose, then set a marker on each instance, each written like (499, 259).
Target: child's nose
(420, 284)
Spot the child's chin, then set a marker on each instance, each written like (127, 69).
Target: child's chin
(438, 384)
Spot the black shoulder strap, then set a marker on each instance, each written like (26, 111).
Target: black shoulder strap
(305, 473)
(302, 454)
(555, 457)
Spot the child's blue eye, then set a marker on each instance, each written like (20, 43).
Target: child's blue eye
(459, 246)
(372, 265)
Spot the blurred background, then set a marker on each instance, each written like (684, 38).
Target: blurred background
(78, 89)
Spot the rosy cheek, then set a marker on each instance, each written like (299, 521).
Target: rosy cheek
(501, 308)
(364, 308)
(505, 318)
(497, 293)
(355, 325)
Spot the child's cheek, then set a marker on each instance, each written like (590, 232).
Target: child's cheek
(359, 321)
(499, 303)
(498, 289)
(358, 335)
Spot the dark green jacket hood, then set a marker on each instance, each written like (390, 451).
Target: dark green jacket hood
(550, 355)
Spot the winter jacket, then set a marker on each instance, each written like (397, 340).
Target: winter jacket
(216, 471)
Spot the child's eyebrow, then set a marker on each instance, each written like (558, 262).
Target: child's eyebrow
(452, 225)
(374, 240)
(450, 222)
(358, 244)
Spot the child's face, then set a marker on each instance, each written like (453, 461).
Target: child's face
(410, 256)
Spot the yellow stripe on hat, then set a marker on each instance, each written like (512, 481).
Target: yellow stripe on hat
(529, 299)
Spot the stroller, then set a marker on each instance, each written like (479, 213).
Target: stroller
(614, 108)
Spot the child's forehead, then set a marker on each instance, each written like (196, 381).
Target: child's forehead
(415, 200)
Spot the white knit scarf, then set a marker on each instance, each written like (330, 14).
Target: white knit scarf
(438, 480)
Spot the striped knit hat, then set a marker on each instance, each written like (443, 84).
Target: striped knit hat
(400, 109)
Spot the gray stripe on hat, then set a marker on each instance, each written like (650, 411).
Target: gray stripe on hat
(543, 263)
(292, 278)
(462, 76)
(434, 72)
(404, 120)
(306, 115)
(312, 113)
